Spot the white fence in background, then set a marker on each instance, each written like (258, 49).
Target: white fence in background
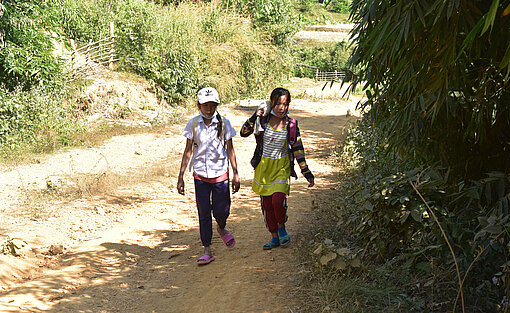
(321, 76)
(93, 56)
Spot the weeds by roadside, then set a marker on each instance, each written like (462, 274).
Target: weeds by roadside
(340, 276)
(405, 225)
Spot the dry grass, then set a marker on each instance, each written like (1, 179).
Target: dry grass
(39, 204)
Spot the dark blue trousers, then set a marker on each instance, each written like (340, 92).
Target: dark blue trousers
(213, 197)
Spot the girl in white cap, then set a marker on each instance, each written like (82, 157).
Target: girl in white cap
(209, 146)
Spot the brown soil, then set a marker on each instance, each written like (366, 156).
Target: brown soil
(129, 242)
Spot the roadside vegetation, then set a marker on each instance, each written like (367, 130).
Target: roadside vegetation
(241, 47)
(421, 219)
(325, 57)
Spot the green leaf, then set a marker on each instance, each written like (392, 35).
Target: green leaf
(493, 229)
(451, 5)
(491, 15)
(419, 12)
(480, 234)
(506, 58)
(473, 194)
(506, 11)
(416, 215)
(404, 217)
(404, 199)
(483, 220)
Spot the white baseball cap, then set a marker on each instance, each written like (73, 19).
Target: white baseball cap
(208, 94)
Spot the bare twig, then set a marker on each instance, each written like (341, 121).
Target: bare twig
(471, 265)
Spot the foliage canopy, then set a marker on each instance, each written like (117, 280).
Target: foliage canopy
(437, 117)
(437, 79)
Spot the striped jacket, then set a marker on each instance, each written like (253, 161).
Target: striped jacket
(296, 150)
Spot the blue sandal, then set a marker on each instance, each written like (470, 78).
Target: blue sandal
(274, 243)
(284, 240)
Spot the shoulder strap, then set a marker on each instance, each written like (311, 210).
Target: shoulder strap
(194, 127)
(292, 131)
(263, 121)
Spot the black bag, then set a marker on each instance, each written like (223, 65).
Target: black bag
(257, 154)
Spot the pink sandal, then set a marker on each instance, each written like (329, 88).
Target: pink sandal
(205, 259)
(228, 239)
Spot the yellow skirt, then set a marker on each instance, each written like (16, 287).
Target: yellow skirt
(272, 175)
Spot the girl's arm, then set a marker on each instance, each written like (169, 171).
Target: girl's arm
(233, 162)
(247, 128)
(186, 156)
(299, 155)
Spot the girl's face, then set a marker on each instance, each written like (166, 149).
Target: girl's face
(208, 108)
(281, 107)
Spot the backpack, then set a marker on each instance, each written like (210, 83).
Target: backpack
(292, 129)
(221, 124)
(292, 137)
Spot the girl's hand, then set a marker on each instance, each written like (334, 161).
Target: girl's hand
(235, 183)
(259, 112)
(311, 181)
(180, 186)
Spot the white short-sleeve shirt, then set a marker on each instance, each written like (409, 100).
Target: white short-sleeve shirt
(210, 158)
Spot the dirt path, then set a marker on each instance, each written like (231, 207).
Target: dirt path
(133, 247)
(325, 33)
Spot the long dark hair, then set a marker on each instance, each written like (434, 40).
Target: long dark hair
(277, 93)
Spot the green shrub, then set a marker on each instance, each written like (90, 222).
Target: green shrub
(36, 118)
(446, 113)
(175, 47)
(26, 32)
(389, 218)
(276, 18)
(340, 6)
(327, 57)
(305, 5)
(450, 105)
(355, 281)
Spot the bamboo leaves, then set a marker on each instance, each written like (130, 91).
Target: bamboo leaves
(491, 15)
(448, 57)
